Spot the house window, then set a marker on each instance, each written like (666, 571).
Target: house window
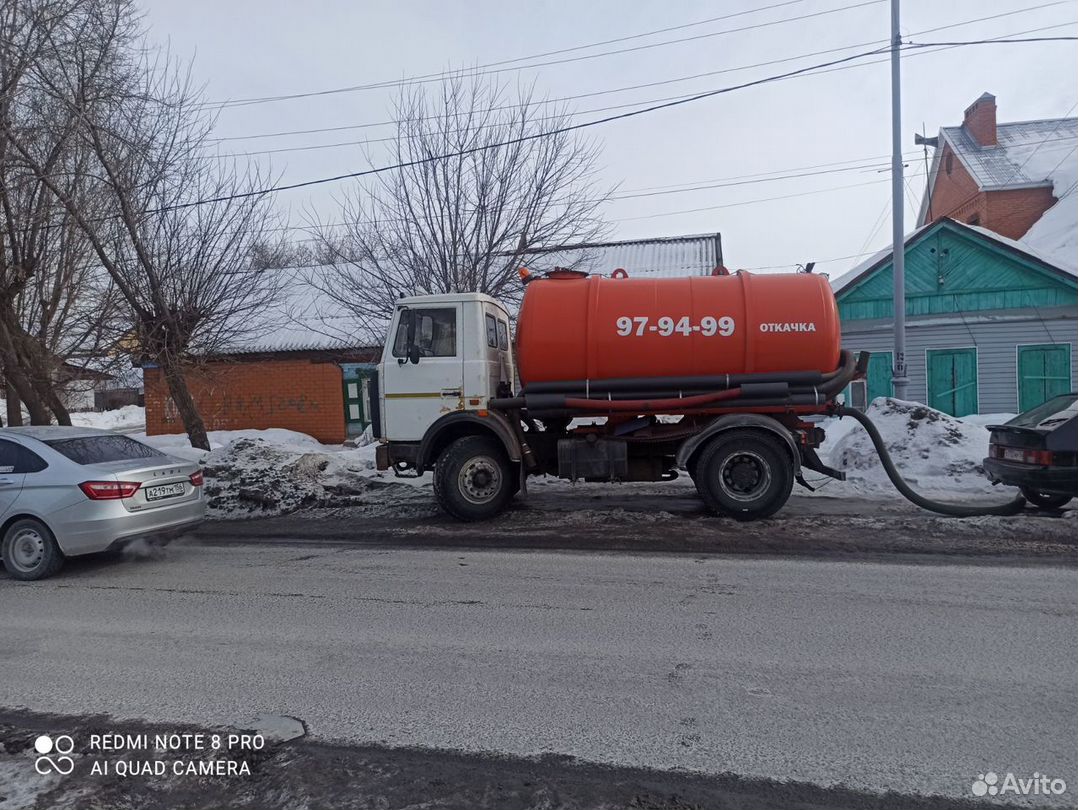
(948, 163)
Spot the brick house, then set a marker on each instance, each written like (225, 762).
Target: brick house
(303, 366)
(991, 301)
(996, 175)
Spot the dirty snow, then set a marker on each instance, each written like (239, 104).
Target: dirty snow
(934, 452)
(260, 473)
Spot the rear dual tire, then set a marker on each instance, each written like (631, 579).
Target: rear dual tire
(474, 479)
(30, 551)
(744, 474)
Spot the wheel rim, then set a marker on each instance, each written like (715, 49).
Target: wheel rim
(480, 479)
(27, 549)
(744, 476)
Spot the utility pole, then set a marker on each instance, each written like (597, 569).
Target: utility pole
(898, 236)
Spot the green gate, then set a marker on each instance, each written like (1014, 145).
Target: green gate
(1044, 371)
(357, 397)
(952, 380)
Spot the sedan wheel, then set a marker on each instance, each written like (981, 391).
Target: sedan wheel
(1046, 500)
(30, 551)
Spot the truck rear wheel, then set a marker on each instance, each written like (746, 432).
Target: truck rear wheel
(473, 478)
(745, 474)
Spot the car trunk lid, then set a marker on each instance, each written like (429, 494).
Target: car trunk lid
(163, 481)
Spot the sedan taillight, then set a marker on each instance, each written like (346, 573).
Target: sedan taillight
(109, 490)
(196, 478)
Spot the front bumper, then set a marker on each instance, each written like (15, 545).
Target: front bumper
(1062, 480)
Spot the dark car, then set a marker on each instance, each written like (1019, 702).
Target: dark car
(1037, 451)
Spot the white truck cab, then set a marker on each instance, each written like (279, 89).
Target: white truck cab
(446, 354)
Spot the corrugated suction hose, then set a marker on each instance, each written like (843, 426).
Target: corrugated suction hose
(953, 509)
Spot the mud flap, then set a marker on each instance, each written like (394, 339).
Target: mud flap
(811, 461)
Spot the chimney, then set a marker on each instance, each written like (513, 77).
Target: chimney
(980, 120)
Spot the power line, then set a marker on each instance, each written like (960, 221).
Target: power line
(610, 91)
(394, 138)
(483, 71)
(746, 180)
(815, 69)
(988, 41)
(759, 200)
(512, 141)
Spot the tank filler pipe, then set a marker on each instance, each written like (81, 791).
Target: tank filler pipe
(953, 509)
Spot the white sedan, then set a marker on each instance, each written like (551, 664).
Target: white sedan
(66, 491)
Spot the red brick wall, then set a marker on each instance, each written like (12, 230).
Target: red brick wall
(1012, 213)
(1009, 213)
(302, 395)
(955, 194)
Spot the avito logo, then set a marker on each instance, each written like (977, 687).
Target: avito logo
(61, 746)
(989, 784)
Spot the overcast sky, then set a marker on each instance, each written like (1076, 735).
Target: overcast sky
(256, 48)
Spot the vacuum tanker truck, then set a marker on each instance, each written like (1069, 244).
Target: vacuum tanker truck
(614, 379)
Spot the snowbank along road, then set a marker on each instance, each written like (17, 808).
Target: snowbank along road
(878, 677)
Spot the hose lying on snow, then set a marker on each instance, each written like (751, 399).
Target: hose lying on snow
(957, 510)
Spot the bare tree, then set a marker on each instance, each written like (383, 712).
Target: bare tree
(485, 181)
(53, 307)
(182, 224)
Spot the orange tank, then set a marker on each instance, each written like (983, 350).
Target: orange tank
(577, 327)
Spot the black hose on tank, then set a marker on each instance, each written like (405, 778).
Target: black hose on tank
(953, 509)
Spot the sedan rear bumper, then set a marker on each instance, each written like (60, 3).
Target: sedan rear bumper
(1062, 480)
(98, 526)
(156, 535)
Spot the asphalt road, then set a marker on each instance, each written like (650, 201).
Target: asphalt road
(876, 676)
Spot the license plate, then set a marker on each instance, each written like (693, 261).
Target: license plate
(163, 491)
(1013, 454)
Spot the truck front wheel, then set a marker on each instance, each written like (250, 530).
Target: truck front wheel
(473, 478)
(745, 474)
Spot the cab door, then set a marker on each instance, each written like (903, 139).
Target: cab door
(495, 363)
(417, 393)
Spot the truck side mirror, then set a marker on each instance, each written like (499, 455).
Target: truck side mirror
(413, 353)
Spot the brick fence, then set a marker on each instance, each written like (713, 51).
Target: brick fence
(298, 394)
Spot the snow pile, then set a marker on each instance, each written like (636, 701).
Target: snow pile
(129, 417)
(934, 452)
(260, 473)
(1055, 234)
